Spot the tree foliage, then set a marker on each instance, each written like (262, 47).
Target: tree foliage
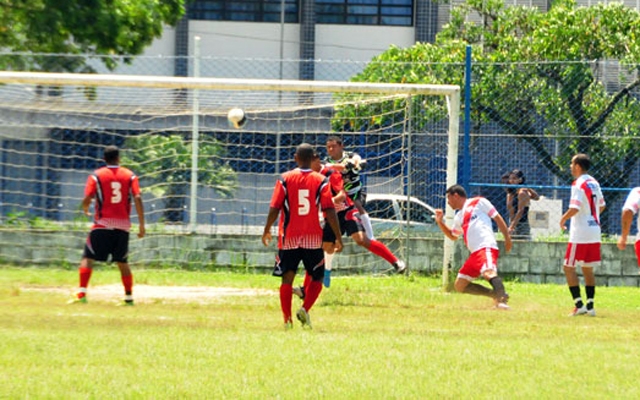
(64, 27)
(164, 162)
(538, 74)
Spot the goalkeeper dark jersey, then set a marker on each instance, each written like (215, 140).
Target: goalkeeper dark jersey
(351, 176)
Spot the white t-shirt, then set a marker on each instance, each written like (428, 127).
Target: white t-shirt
(587, 198)
(473, 222)
(633, 203)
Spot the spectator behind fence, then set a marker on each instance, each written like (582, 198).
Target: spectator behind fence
(518, 200)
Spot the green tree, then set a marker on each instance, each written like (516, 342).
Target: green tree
(70, 28)
(164, 163)
(533, 66)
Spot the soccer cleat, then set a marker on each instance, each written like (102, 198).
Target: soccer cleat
(578, 311)
(299, 291)
(327, 278)
(591, 312)
(303, 317)
(502, 306)
(78, 300)
(288, 325)
(126, 303)
(400, 266)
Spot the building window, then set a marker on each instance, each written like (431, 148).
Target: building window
(243, 10)
(346, 12)
(365, 12)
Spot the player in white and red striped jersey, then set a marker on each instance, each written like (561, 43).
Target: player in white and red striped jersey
(629, 209)
(583, 248)
(113, 188)
(473, 222)
(299, 196)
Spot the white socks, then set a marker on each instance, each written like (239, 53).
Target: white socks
(328, 260)
(366, 222)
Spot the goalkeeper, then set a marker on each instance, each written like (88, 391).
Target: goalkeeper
(350, 164)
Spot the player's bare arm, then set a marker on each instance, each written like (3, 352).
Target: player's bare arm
(566, 217)
(140, 211)
(86, 203)
(626, 221)
(523, 202)
(502, 226)
(332, 219)
(443, 227)
(271, 218)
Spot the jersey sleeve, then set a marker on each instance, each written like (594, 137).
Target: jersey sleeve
(576, 197)
(135, 186)
(633, 201)
(91, 186)
(486, 206)
(279, 193)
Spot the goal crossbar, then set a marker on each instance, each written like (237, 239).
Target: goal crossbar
(171, 82)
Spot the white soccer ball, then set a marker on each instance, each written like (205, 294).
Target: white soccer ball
(237, 118)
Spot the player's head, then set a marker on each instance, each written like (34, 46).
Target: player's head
(304, 155)
(112, 155)
(580, 164)
(516, 177)
(456, 196)
(335, 147)
(504, 179)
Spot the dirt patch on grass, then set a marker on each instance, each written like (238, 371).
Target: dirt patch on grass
(149, 293)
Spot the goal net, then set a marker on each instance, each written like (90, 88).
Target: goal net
(206, 184)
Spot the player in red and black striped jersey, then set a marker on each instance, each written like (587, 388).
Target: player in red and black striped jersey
(350, 223)
(298, 197)
(113, 188)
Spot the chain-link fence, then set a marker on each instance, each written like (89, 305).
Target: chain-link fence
(531, 117)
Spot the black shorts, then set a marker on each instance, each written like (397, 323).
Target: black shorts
(104, 242)
(350, 223)
(312, 259)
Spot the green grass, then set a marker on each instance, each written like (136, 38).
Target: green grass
(373, 338)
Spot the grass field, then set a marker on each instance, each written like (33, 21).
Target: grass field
(373, 338)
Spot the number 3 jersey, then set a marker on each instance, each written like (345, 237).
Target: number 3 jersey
(301, 194)
(113, 188)
(587, 198)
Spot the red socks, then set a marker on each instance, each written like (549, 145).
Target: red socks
(85, 276)
(381, 250)
(311, 294)
(286, 291)
(127, 282)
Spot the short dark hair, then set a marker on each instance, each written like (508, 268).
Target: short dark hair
(334, 138)
(457, 189)
(111, 154)
(583, 161)
(305, 152)
(519, 174)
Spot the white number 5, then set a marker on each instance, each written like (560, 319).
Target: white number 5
(304, 206)
(116, 192)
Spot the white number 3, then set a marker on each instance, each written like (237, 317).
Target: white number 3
(116, 192)
(304, 206)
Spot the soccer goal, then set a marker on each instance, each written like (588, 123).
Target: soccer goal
(206, 183)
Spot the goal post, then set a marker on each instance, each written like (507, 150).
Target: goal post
(199, 174)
